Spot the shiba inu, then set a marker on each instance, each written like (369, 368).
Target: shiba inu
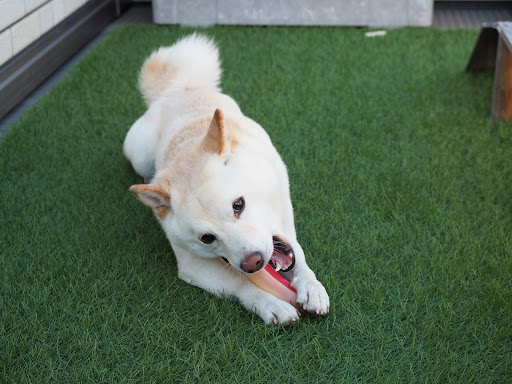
(217, 185)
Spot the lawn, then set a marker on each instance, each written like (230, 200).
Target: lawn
(403, 202)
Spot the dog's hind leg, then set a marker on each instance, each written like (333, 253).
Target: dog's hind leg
(140, 144)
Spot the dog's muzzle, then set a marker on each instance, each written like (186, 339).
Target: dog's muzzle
(282, 259)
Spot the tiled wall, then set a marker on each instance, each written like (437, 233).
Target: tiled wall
(23, 21)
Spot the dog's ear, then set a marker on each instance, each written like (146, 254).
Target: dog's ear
(216, 140)
(154, 197)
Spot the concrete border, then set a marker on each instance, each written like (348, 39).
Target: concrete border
(376, 13)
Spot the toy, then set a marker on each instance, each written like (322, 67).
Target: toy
(272, 282)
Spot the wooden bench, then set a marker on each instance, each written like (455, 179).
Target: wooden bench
(493, 49)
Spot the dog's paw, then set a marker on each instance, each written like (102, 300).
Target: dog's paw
(277, 311)
(311, 296)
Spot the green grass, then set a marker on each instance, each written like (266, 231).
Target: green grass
(403, 203)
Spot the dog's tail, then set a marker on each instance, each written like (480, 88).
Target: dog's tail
(190, 63)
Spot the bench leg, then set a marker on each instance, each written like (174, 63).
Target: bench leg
(502, 97)
(483, 56)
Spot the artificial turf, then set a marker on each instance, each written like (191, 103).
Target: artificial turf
(402, 191)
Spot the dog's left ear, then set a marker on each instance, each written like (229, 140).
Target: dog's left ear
(154, 197)
(216, 140)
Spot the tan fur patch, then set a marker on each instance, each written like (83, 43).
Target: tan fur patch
(161, 212)
(154, 67)
(195, 130)
(234, 143)
(188, 145)
(150, 78)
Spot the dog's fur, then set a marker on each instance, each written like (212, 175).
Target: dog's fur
(202, 154)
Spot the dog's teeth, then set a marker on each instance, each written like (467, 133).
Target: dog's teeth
(278, 267)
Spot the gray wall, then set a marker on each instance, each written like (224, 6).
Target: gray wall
(294, 12)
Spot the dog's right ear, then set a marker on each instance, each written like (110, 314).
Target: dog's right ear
(154, 197)
(216, 140)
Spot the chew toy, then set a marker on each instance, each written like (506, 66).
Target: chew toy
(275, 284)
(272, 282)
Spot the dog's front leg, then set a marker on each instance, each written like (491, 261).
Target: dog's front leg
(218, 278)
(311, 294)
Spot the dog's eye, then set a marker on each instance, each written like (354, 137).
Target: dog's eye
(208, 238)
(238, 206)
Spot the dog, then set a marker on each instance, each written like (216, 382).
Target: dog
(217, 185)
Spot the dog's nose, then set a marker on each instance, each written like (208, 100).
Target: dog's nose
(252, 263)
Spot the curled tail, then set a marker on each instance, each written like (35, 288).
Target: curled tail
(190, 63)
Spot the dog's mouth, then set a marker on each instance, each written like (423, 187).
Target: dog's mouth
(283, 258)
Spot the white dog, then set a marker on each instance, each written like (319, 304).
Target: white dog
(218, 186)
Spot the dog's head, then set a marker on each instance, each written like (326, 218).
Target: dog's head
(226, 201)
